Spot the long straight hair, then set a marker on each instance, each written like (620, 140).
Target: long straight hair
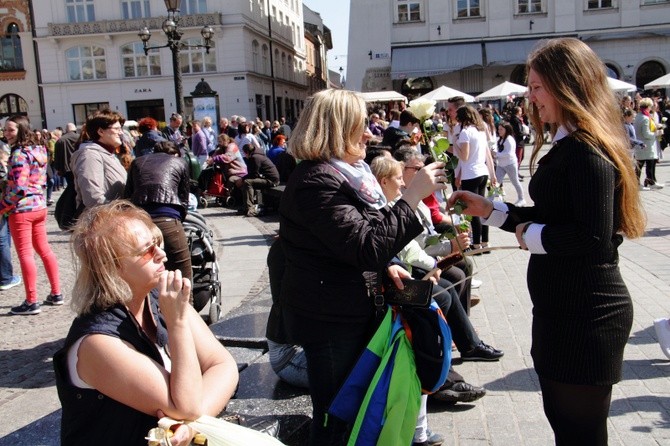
(575, 77)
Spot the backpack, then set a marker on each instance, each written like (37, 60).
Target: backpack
(430, 336)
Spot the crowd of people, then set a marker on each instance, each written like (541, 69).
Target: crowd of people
(367, 198)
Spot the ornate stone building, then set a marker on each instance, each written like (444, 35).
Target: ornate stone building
(18, 72)
(91, 57)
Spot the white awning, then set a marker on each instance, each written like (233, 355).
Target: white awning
(432, 60)
(509, 52)
(382, 96)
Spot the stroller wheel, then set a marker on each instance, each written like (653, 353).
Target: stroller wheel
(203, 202)
(230, 201)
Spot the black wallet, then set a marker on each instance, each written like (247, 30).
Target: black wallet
(417, 293)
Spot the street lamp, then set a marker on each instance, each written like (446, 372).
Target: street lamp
(173, 34)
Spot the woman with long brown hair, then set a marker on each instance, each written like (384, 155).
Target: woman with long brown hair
(24, 201)
(586, 198)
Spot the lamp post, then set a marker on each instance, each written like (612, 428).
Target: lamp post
(173, 34)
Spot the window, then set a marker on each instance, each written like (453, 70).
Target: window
(86, 63)
(254, 55)
(283, 66)
(291, 68)
(193, 7)
(13, 104)
(598, 4)
(529, 6)
(655, 2)
(467, 8)
(82, 111)
(136, 64)
(11, 56)
(409, 11)
(276, 63)
(266, 63)
(196, 60)
(80, 11)
(135, 9)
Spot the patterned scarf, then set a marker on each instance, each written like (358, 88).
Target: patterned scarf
(360, 177)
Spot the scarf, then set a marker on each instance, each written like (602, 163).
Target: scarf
(361, 179)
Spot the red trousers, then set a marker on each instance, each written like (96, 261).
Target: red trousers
(29, 234)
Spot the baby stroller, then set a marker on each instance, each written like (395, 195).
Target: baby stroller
(206, 285)
(212, 184)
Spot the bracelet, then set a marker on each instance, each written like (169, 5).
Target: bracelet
(524, 230)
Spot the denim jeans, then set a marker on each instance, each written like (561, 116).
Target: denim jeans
(328, 365)
(6, 270)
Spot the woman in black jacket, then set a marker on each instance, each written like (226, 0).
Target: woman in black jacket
(334, 227)
(586, 197)
(159, 184)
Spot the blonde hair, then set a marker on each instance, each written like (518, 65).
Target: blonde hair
(646, 103)
(586, 103)
(384, 167)
(330, 126)
(100, 239)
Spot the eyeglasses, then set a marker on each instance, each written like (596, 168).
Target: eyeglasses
(414, 168)
(115, 128)
(149, 252)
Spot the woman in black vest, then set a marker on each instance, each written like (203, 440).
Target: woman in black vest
(119, 371)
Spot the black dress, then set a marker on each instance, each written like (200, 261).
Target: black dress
(582, 311)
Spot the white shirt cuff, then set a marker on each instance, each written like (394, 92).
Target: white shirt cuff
(533, 238)
(498, 216)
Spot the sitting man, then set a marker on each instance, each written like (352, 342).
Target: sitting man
(261, 174)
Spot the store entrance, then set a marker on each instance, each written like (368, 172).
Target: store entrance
(153, 108)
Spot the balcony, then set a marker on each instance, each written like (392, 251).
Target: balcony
(133, 25)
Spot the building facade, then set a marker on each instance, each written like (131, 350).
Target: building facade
(415, 46)
(318, 41)
(90, 57)
(18, 71)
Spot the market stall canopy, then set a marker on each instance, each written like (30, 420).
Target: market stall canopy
(382, 96)
(661, 82)
(617, 85)
(443, 93)
(502, 91)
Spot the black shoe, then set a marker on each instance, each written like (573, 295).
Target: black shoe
(483, 352)
(458, 392)
(26, 309)
(521, 177)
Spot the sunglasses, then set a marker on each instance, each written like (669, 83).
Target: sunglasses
(149, 252)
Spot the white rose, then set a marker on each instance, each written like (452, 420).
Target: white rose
(422, 108)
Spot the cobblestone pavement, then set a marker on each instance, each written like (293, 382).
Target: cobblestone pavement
(510, 414)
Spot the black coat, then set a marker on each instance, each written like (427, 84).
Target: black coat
(330, 237)
(158, 178)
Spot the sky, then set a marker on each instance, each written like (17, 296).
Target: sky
(335, 15)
